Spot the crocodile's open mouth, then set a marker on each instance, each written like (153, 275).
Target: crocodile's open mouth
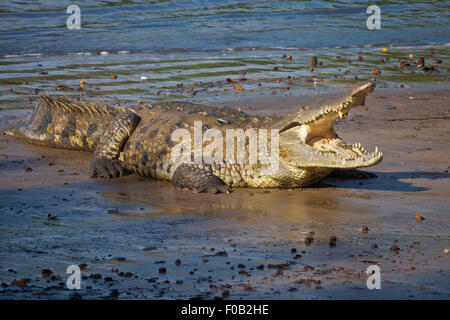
(314, 129)
(321, 137)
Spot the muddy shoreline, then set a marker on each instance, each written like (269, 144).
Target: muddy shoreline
(249, 244)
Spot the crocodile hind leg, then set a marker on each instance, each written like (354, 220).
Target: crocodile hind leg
(198, 180)
(105, 161)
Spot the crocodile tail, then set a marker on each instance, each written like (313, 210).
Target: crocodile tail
(60, 123)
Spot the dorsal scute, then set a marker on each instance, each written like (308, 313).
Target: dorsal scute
(92, 108)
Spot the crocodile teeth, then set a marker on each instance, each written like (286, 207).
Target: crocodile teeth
(340, 114)
(376, 149)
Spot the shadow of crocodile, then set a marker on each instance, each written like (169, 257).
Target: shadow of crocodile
(389, 181)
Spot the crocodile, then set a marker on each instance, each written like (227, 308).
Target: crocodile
(139, 140)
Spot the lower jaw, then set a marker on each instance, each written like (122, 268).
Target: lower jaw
(308, 177)
(300, 178)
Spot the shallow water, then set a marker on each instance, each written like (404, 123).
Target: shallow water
(39, 27)
(188, 50)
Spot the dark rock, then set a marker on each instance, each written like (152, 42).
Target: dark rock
(47, 273)
(162, 270)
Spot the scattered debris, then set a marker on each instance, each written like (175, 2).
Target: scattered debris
(419, 218)
(52, 217)
(333, 240)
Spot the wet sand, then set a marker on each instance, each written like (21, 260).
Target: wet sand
(249, 244)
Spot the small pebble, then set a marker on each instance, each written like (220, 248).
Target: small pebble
(120, 259)
(420, 62)
(333, 240)
(51, 217)
(114, 293)
(46, 273)
(162, 270)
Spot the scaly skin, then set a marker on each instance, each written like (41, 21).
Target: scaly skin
(139, 140)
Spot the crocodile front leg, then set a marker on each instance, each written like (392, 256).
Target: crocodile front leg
(105, 163)
(198, 180)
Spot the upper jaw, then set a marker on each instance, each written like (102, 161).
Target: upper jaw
(307, 114)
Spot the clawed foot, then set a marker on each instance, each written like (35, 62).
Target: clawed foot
(105, 168)
(198, 180)
(213, 185)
